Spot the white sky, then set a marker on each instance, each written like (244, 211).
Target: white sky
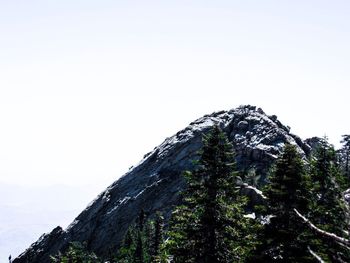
(88, 87)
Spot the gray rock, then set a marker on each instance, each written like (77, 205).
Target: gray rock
(346, 196)
(314, 143)
(155, 183)
(255, 196)
(243, 125)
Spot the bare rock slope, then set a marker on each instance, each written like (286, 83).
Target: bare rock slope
(155, 183)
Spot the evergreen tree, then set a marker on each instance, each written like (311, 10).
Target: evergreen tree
(283, 237)
(157, 238)
(143, 241)
(344, 153)
(210, 226)
(76, 253)
(328, 211)
(133, 246)
(139, 250)
(126, 252)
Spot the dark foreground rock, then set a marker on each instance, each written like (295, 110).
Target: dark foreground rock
(155, 183)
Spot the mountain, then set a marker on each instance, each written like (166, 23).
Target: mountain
(155, 183)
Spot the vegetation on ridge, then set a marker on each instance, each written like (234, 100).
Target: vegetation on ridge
(305, 218)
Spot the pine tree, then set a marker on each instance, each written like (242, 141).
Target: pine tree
(127, 250)
(143, 241)
(344, 154)
(133, 245)
(210, 226)
(283, 237)
(157, 238)
(76, 253)
(328, 211)
(139, 250)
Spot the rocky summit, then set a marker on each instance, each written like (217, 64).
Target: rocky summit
(155, 183)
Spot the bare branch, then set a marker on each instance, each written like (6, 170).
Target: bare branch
(317, 257)
(341, 240)
(342, 245)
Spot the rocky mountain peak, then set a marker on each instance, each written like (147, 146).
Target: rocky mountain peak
(155, 183)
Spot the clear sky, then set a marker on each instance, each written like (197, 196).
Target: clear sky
(88, 87)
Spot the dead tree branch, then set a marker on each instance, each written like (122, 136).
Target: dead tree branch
(341, 240)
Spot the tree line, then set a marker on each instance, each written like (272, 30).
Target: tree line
(304, 217)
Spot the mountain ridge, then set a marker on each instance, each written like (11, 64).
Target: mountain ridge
(155, 183)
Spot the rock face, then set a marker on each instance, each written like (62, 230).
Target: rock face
(155, 183)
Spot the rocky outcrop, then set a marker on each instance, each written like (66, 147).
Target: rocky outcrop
(346, 196)
(155, 183)
(254, 195)
(47, 241)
